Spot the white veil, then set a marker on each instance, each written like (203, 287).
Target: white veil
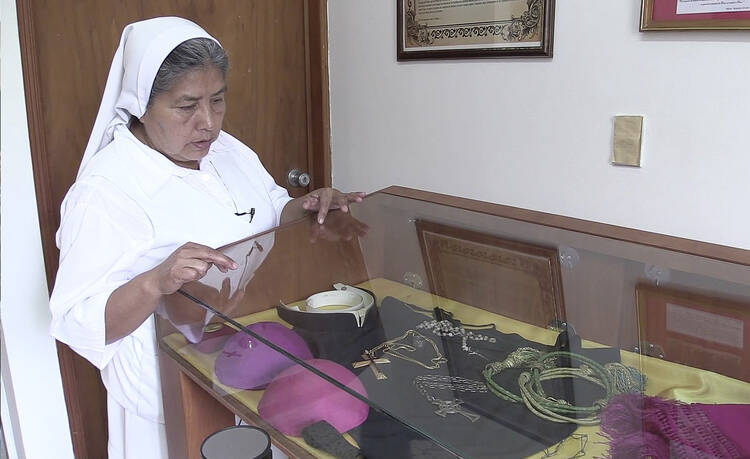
(143, 47)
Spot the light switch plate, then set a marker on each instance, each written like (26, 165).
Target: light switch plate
(628, 137)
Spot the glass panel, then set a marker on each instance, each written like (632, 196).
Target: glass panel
(486, 337)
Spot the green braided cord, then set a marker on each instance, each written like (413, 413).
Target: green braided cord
(595, 366)
(549, 402)
(565, 373)
(549, 414)
(627, 379)
(520, 358)
(533, 358)
(552, 409)
(497, 389)
(614, 378)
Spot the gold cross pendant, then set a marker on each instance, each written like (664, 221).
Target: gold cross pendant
(371, 360)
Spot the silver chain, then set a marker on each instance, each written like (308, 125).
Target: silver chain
(454, 383)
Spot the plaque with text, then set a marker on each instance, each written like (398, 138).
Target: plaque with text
(694, 14)
(699, 330)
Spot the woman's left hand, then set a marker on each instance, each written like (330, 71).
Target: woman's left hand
(324, 199)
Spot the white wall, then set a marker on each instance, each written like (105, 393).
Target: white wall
(537, 133)
(31, 374)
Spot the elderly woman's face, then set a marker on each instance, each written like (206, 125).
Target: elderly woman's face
(183, 122)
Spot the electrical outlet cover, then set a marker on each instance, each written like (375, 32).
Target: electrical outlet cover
(627, 140)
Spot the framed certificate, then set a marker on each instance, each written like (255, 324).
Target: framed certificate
(695, 329)
(507, 277)
(440, 29)
(694, 14)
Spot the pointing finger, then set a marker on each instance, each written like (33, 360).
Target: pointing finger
(325, 204)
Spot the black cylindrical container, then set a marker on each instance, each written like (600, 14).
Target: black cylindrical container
(237, 442)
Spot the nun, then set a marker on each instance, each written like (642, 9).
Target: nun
(160, 187)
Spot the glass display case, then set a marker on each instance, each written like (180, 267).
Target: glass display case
(424, 325)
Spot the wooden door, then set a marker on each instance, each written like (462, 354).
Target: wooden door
(277, 104)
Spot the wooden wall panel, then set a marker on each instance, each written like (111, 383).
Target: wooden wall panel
(277, 51)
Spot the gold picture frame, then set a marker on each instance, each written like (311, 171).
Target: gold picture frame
(474, 28)
(662, 15)
(511, 278)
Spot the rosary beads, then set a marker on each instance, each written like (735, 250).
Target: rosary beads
(445, 328)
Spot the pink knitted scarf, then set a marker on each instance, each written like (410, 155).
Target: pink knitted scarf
(640, 426)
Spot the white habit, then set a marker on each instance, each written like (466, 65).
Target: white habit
(131, 207)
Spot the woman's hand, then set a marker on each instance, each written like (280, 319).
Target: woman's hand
(186, 264)
(181, 310)
(324, 199)
(321, 201)
(130, 304)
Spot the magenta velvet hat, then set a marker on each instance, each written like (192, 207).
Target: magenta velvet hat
(246, 363)
(297, 398)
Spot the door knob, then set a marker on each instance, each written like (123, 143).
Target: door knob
(298, 179)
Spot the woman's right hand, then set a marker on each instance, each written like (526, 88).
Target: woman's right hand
(130, 304)
(186, 264)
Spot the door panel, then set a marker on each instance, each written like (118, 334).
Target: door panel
(267, 80)
(277, 104)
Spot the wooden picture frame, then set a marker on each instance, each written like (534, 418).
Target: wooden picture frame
(474, 29)
(695, 329)
(691, 15)
(511, 278)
